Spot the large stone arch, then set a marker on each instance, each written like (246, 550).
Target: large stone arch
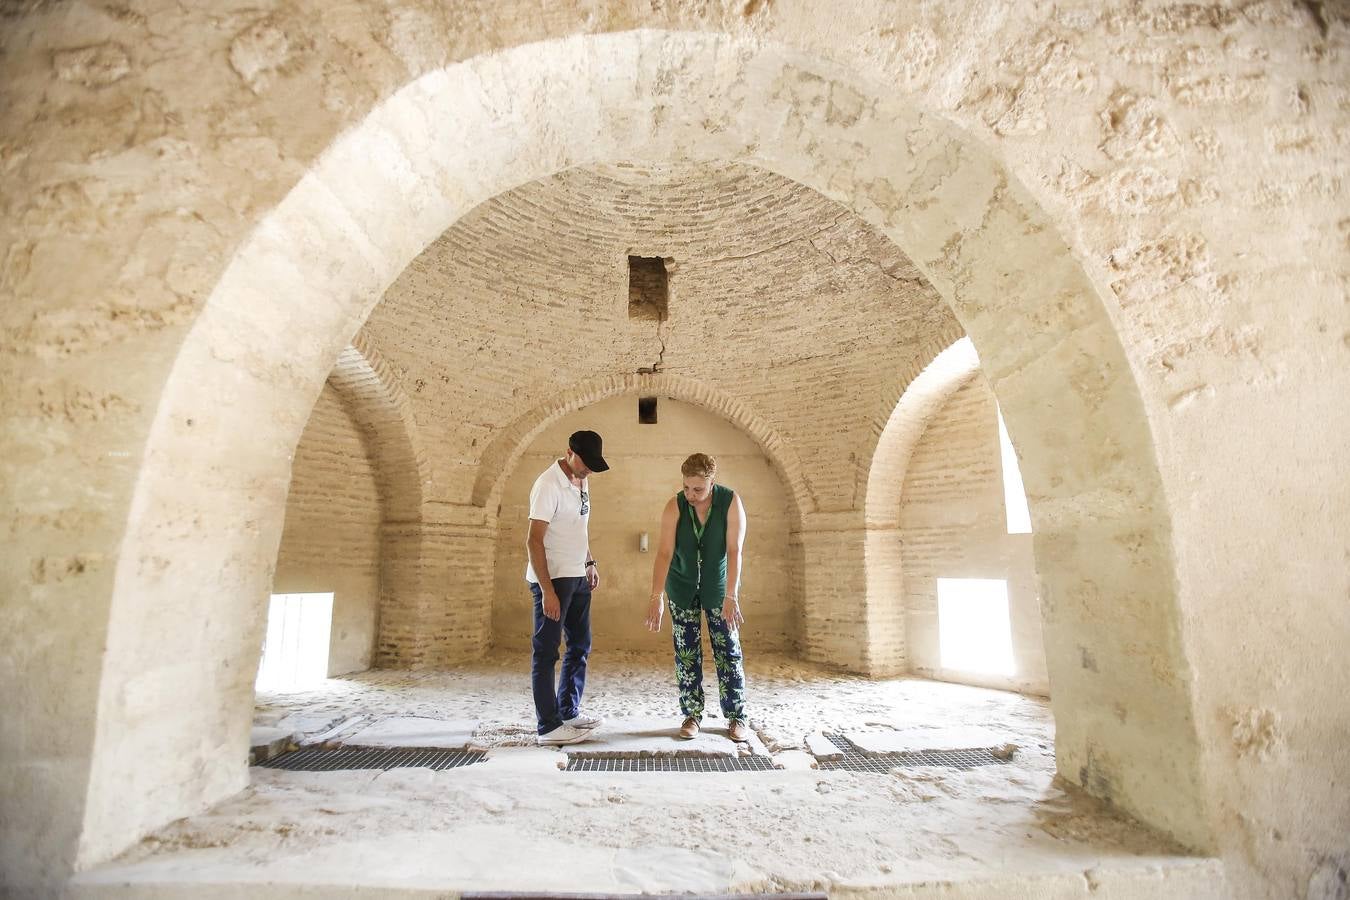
(377, 402)
(298, 289)
(380, 408)
(506, 449)
(943, 375)
(415, 626)
(883, 479)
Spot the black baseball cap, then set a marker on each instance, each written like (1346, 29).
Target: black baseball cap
(586, 444)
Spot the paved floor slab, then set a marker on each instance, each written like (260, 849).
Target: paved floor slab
(264, 735)
(267, 741)
(822, 747)
(794, 760)
(910, 740)
(526, 759)
(348, 724)
(414, 731)
(309, 723)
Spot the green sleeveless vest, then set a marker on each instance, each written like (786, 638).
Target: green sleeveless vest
(682, 582)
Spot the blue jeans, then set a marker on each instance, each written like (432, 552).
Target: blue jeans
(574, 599)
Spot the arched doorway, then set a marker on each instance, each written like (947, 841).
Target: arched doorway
(310, 274)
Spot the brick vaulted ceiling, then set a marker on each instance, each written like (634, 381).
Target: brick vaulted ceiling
(779, 297)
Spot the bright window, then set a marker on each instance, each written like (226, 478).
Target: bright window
(1014, 495)
(974, 634)
(295, 653)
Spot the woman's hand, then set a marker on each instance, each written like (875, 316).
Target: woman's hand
(731, 611)
(656, 610)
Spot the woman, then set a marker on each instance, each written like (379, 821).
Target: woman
(698, 563)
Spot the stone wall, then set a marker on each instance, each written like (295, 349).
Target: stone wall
(953, 525)
(1136, 211)
(331, 540)
(627, 500)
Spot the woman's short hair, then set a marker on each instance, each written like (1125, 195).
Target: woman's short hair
(700, 465)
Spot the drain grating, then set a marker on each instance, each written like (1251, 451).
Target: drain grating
(317, 759)
(854, 760)
(558, 895)
(577, 763)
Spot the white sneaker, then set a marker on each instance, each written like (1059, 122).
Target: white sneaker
(563, 734)
(581, 720)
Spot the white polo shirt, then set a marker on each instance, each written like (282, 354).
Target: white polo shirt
(566, 508)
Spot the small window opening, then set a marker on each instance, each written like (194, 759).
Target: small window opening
(295, 651)
(1014, 495)
(648, 289)
(647, 410)
(974, 632)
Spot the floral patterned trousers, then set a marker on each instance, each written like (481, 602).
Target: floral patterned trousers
(687, 630)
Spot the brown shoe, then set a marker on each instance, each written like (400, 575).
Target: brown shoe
(738, 731)
(689, 729)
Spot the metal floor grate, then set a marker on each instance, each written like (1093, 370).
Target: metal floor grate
(577, 763)
(317, 759)
(855, 760)
(562, 895)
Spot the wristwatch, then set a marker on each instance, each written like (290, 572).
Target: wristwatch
(589, 563)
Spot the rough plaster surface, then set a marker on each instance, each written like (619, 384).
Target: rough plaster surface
(1136, 211)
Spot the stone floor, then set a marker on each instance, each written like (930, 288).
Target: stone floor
(517, 822)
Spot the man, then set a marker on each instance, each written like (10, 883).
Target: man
(562, 574)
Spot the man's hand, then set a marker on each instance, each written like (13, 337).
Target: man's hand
(731, 611)
(552, 606)
(656, 610)
(593, 577)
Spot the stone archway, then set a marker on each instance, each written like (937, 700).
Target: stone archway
(507, 447)
(378, 405)
(412, 621)
(301, 285)
(791, 492)
(924, 395)
(942, 376)
(381, 409)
